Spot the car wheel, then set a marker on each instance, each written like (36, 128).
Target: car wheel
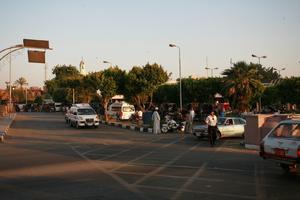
(199, 137)
(164, 129)
(218, 135)
(285, 167)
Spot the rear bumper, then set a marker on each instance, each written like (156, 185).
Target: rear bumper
(280, 159)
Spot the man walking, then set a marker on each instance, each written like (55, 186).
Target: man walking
(211, 121)
(156, 121)
(189, 120)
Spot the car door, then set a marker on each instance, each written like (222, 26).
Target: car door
(238, 127)
(226, 128)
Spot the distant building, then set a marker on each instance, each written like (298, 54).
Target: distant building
(82, 68)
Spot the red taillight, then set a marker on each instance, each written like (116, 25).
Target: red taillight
(298, 153)
(121, 114)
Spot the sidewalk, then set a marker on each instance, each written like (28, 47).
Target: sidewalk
(5, 123)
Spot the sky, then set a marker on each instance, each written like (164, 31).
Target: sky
(130, 33)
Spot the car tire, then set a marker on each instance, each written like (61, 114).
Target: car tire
(218, 135)
(164, 129)
(285, 167)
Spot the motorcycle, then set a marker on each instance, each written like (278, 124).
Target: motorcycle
(171, 125)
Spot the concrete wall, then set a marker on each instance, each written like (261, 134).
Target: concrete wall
(258, 126)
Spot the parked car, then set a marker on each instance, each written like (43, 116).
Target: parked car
(121, 110)
(227, 127)
(81, 115)
(282, 144)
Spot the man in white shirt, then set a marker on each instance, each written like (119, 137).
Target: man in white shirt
(211, 121)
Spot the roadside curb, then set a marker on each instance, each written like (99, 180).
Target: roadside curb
(131, 127)
(5, 125)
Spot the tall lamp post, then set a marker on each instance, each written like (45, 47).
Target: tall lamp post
(211, 70)
(180, 87)
(279, 70)
(107, 62)
(258, 57)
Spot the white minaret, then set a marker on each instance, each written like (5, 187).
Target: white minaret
(82, 67)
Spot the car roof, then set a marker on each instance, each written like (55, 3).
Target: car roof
(290, 121)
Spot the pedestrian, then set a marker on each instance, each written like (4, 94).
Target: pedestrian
(189, 120)
(211, 121)
(156, 121)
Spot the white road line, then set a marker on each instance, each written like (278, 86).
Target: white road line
(237, 196)
(144, 155)
(115, 177)
(189, 182)
(162, 167)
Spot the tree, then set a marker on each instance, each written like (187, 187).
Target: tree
(141, 82)
(21, 82)
(242, 84)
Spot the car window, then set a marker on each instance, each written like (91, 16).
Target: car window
(86, 111)
(287, 131)
(237, 121)
(128, 109)
(221, 121)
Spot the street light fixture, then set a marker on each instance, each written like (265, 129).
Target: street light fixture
(179, 61)
(279, 70)
(258, 57)
(107, 62)
(211, 70)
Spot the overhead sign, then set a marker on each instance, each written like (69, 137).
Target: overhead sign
(36, 56)
(39, 44)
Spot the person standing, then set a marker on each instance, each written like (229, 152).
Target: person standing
(156, 121)
(211, 121)
(189, 120)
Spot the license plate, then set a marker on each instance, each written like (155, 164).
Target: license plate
(279, 152)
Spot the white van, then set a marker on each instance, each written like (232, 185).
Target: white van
(121, 110)
(81, 115)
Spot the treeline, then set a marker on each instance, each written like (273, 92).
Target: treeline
(242, 85)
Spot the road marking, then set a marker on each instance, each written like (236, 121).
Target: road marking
(115, 177)
(189, 182)
(161, 167)
(237, 196)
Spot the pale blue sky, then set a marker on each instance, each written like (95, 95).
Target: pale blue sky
(134, 32)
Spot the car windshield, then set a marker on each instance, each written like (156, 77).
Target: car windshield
(86, 111)
(287, 130)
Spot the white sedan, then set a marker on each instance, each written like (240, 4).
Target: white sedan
(227, 127)
(282, 144)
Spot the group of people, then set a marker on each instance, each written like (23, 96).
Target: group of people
(211, 121)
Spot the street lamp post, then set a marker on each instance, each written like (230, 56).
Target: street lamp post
(279, 70)
(107, 62)
(211, 71)
(258, 57)
(180, 87)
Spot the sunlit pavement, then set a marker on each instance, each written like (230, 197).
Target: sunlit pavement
(44, 158)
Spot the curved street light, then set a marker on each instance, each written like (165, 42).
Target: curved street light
(258, 57)
(279, 70)
(180, 87)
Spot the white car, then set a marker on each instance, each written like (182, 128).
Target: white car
(81, 115)
(282, 144)
(227, 127)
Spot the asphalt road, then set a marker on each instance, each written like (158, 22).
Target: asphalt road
(44, 158)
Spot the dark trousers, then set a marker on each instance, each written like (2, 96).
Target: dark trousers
(212, 134)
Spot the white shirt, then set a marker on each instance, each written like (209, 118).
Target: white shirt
(211, 120)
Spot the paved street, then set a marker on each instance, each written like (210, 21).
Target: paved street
(44, 158)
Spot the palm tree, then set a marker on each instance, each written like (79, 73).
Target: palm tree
(242, 84)
(20, 82)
